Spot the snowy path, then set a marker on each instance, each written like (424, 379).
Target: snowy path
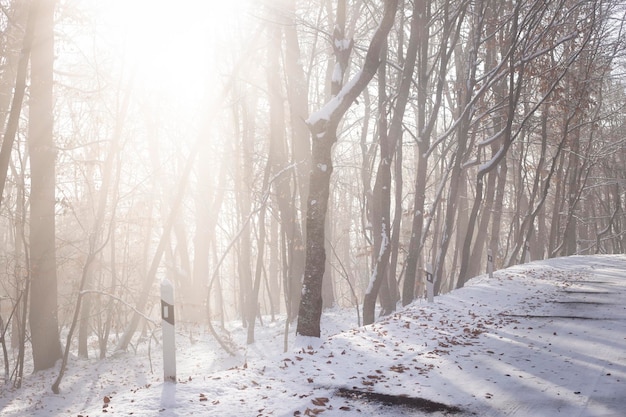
(565, 353)
(542, 339)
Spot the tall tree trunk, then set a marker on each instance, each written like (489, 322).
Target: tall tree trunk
(297, 96)
(382, 187)
(274, 269)
(244, 179)
(328, 288)
(43, 316)
(466, 68)
(555, 221)
(424, 131)
(286, 195)
(496, 120)
(396, 230)
(380, 206)
(253, 302)
(570, 234)
(498, 210)
(477, 255)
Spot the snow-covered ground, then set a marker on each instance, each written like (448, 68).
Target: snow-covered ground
(541, 339)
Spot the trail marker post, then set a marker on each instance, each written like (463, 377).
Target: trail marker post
(490, 263)
(169, 331)
(430, 283)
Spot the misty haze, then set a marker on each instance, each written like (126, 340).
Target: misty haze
(313, 208)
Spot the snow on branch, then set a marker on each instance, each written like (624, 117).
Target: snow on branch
(324, 114)
(338, 105)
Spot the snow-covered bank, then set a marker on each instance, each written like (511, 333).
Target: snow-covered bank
(547, 338)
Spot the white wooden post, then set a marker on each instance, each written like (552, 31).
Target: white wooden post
(430, 283)
(490, 263)
(169, 332)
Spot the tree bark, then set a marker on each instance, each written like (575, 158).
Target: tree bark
(43, 315)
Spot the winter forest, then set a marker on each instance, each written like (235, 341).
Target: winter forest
(281, 157)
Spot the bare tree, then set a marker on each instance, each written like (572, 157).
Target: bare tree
(382, 188)
(323, 125)
(297, 98)
(433, 78)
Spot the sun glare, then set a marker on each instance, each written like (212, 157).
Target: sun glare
(176, 48)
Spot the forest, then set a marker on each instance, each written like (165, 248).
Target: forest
(281, 157)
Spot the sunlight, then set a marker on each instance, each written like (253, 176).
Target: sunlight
(173, 49)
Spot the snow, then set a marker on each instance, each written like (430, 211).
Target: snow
(384, 242)
(324, 113)
(342, 44)
(370, 285)
(469, 163)
(383, 247)
(337, 74)
(332, 106)
(489, 165)
(541, 339)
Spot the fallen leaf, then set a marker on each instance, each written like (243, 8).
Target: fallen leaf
(320, 401)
